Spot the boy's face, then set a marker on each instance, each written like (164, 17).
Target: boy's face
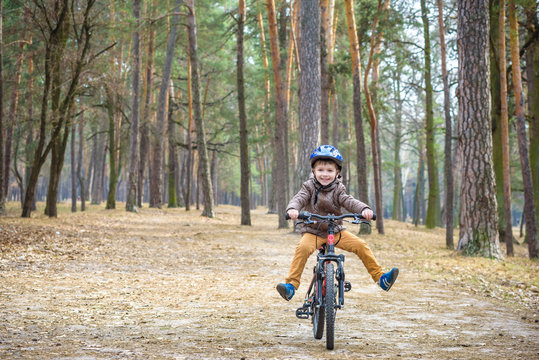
(325, 172)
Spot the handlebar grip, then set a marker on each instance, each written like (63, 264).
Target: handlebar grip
(303, 215)
(374, 216)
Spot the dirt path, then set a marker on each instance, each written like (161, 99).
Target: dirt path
(171, 285)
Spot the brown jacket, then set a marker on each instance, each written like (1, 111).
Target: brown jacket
(328, 201)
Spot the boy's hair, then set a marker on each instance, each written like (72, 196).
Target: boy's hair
(326, 152)
(325, 161)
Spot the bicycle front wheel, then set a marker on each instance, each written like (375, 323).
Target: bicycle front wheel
(329, 304)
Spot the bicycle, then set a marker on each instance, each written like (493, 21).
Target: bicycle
(321, 303)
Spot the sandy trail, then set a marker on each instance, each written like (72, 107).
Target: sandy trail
(166, 284)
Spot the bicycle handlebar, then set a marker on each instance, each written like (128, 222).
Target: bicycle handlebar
(305, 215)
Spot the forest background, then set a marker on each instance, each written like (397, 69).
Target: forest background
(162, 103)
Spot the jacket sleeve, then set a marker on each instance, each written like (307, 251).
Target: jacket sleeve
(300, 200)
(350, 203)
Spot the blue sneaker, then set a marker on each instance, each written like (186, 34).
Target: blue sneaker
(387, 280)
(287, 291)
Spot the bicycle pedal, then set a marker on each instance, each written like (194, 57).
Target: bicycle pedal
(347, 286)
(302, 313)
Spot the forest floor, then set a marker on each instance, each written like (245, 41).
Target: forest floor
(170, 284)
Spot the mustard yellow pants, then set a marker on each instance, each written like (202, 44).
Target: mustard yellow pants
(346, 241)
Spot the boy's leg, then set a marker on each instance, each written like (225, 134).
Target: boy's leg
(350, 242)
(305, 248)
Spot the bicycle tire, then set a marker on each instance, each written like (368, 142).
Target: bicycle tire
(329, 303)
(318, 316)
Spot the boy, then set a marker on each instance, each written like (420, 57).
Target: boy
(324, 194)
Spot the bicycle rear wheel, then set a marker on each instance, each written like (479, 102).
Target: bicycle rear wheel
(329, 303)
(318, 315)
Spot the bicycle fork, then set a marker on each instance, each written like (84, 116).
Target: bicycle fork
(319, 278)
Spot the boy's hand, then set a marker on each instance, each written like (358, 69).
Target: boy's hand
(367, 214)
(293, 214)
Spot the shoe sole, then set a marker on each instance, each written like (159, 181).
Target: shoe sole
(281, 289)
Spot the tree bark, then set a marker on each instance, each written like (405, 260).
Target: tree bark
(496, 118)
(172, 158)
(73, 164)
(201, 134)
(478, 219)
(113, 170)
(11, 118)
(361, 163)
(2, 180)
(134, 128)
(529, 206)
(532, 70)
(505, 132)
(419, 193)
(433, 205)
(324, 72)
(145, 120)
(309, 86)
(244, 149)
(189, 175)
(383, 5)
(280, 159)
(397, 171)
(80, 165)
(448, 166)
(155, 179)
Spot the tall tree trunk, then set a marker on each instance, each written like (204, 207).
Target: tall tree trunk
(73, 164)
(448, 166)
(11, 118)
(155, 179)
(532, 70)
(433, 207)
(113, 170)
(2, 180)
(244, 150)
(397, 171)
(383, 5)
(190, 128)
(145, 121)
(57, 162)
(30, 119)
(81, 168)
(529, 206)
(56, 149)
(98, 155)
(172, 158)
(309, 85)
(134, 127)
(495, 96)
(201, 134)
(361, 161)
(505, 132)
(478, 218)
(280, 119)
(324, 75)
(272, 199)
(420, 183)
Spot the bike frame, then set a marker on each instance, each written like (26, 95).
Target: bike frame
(320, 272)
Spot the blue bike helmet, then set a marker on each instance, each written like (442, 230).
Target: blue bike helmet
(327, 152)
